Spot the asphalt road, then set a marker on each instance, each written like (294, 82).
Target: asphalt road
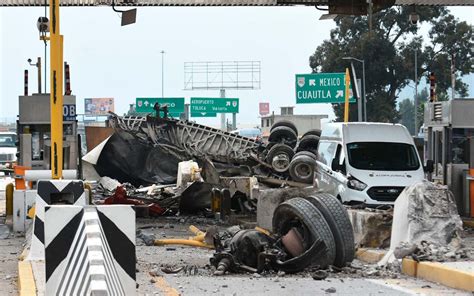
(153, 281)
(196, 277)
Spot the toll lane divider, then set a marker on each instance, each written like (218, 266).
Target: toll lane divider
(90, 250)
(49, 192)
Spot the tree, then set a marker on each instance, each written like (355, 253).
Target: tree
(407, 114)
(388, 52)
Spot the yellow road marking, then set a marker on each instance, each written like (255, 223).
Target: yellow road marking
(166, 288)
(26, 280)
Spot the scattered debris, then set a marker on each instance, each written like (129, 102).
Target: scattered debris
(319, 275)
(302, 238)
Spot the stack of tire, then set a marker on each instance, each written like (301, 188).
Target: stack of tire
(287, 154)
(322, 217)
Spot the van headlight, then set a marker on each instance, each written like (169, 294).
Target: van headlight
(356, 184)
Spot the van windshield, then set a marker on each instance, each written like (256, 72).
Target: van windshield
(382, 156)
(7, 140)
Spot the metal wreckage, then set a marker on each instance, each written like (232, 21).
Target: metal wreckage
(311, 230)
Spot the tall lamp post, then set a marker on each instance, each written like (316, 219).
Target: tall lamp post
(363, 83)
(415, 101)
(162, 73)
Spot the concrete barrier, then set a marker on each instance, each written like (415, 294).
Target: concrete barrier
(90, 250)
(371, 229)
(52, 192)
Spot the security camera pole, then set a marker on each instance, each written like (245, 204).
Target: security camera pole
(56, 90)
(37, 65)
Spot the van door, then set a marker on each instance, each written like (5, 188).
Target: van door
(324, 173)
(340, 174)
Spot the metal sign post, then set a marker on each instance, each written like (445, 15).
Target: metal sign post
(347, 80)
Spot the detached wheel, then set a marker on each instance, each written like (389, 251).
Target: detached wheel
(341, 227)
(283, 134)
(279, 157)
(315, 132)
(298, 213)
(308, 143)
(285, 123)
(302, 168)
(307, 153)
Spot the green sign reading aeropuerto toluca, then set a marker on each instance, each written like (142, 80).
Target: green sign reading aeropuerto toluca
(321, 88)
(204, 107)
(175, 105)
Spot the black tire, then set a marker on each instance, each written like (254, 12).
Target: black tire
(316, 132)
(307, 153)
(299, 209)
(284, 123)
(280, 149)
(308, 143)
(338, 220)
(283, 134)
(302, 168)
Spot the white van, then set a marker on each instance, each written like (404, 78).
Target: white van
(7, 149)
(367, 162)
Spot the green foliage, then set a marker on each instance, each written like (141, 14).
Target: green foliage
(389, 50)
(407, 113)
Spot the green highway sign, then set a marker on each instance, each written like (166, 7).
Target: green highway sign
(203, 114)
(204, 106)
(321, 88)
(175, 105)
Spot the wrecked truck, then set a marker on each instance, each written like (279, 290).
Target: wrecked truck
(146, 150)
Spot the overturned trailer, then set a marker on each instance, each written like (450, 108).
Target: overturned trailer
(193, 139)
(281, 157)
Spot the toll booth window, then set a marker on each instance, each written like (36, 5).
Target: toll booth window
(382, 156)
(7, 140)
(460, 145)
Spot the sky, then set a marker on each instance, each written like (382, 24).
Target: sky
(108, 60)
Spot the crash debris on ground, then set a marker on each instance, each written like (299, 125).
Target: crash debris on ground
(179, 169)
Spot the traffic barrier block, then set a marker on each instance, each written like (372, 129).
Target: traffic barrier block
(90, 250)
(371, 256)
(52, 192)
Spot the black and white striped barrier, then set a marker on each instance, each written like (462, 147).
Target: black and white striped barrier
(90, 250)
(51, 192)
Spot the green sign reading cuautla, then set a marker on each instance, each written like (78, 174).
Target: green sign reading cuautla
(321, 88)
(203, 107)
(175, 105)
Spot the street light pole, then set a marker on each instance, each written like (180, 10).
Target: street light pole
(416, 92)
(363, 83)
(162, 74)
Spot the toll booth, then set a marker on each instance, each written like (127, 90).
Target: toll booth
(449, 143)
(34, 127)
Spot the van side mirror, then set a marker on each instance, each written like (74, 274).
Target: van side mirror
(335, 166)
(429, 168)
